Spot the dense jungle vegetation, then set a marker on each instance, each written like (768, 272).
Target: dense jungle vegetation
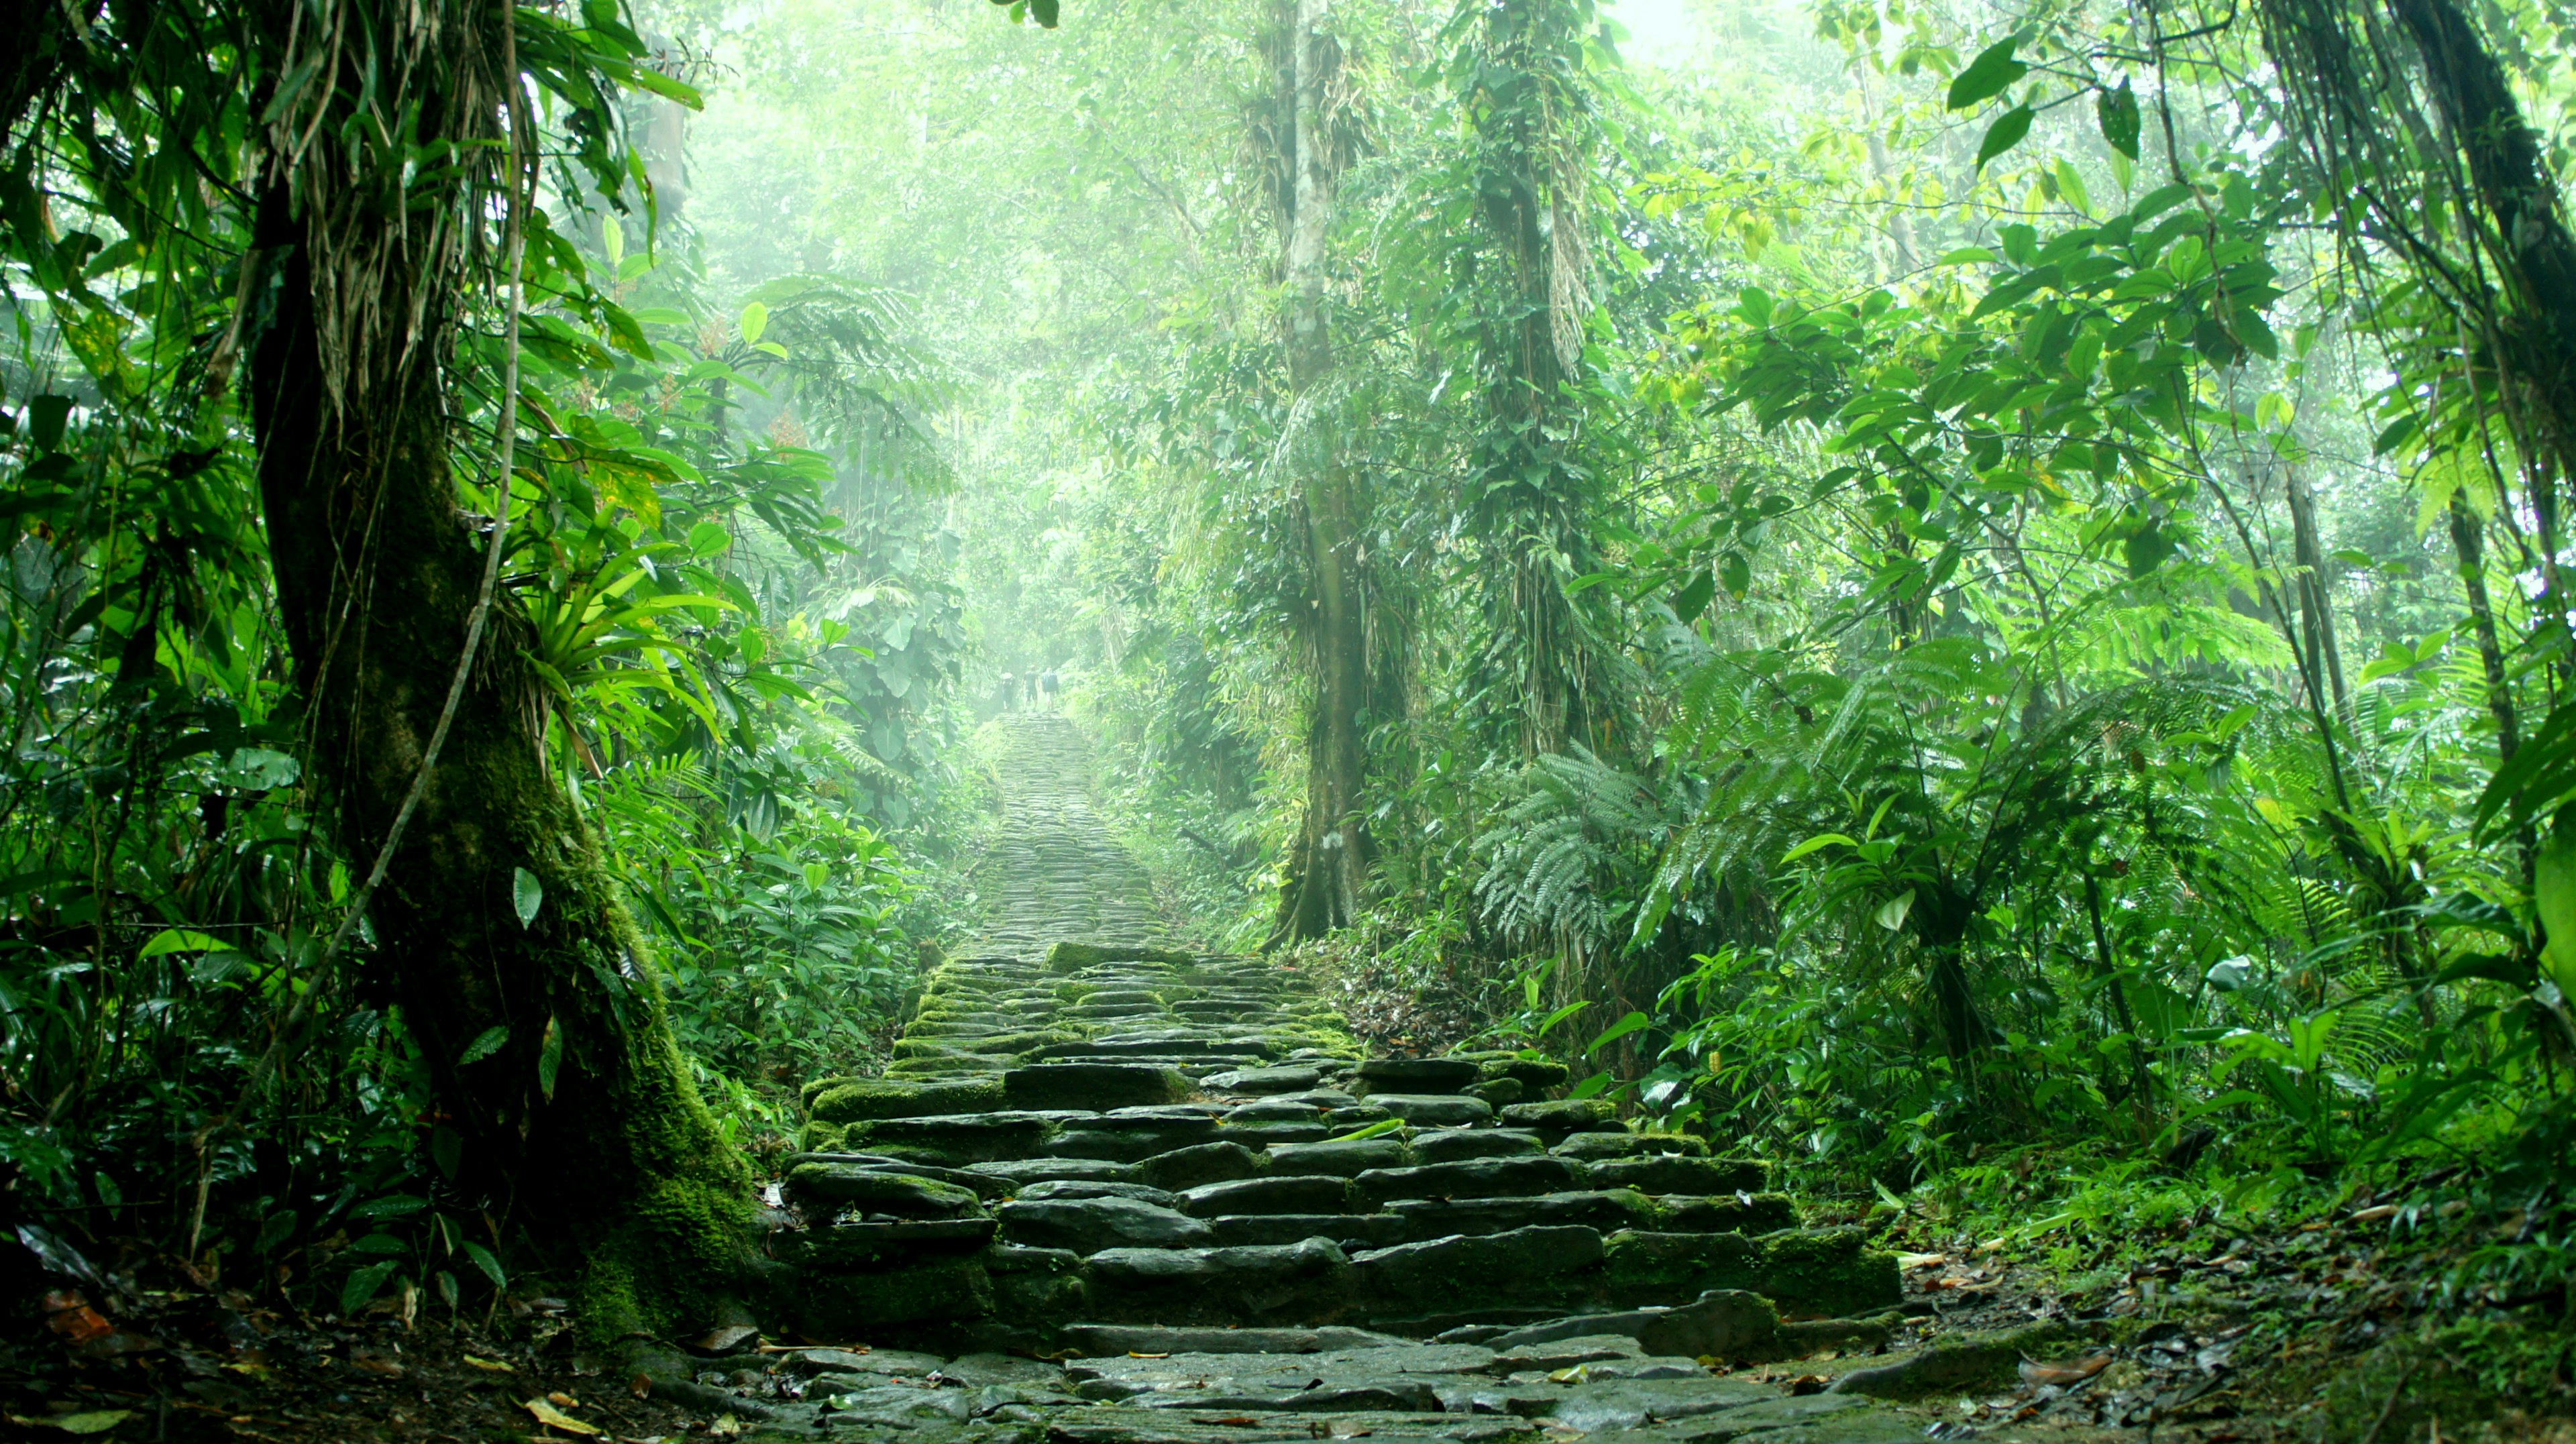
(1968, 598)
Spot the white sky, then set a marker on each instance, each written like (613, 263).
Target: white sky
(1661, 33)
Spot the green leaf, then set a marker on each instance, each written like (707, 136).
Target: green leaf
(1891, 913)
(646, 78)
(363, 1284)
(2071, 185)
(1589, 1086)
(2117, 112)
(1694, 597)
(549, 1058)
(1617, 1031)
(1968, 256)
(392, 1205)
(526, 895)
(46, 416)
(1736, 572)
(182, 940)
(1988, 74)
(1816, 843)
(484, 1260)
(2146, 549)
(2004, 134)
(755, 319)
(485, 1044)
(1375, 1130)
(1044, 11)
(1560, 1015)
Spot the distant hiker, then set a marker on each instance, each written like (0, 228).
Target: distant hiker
(1047, 687)
(1010, 691)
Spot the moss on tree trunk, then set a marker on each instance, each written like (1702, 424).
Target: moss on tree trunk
(581, 1128)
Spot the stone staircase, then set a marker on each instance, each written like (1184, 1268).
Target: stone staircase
(1112, 1190)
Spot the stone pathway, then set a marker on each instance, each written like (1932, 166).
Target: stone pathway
(1110, 1192)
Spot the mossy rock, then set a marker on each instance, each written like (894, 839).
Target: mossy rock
(1763, 1213)
(855, 1102)
(1065, 957)
(1524, 1266)
(1828, 1273)
(2459, 1377)
(821, 1137)
(1642, 1268)
(876, 1190)
(806, 1095)
(998, 1045)
(1564, 1116)
(1973, 1363)
(1094, 1085)
(833, 1305)
(861, 1247)
(1629, 1145)
(945, 1065)
(1037, 1288)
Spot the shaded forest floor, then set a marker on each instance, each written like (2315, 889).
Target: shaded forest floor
(2194, 1332)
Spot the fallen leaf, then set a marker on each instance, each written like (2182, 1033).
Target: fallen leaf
(2375, 1213)
(1134, 1355)
(565, 1400)
(489, 1366)
(95, 1421)
(381, 1365)
(79, 1323)
(554, 1418)
(2075, 1373)
(1809, 1384)
(726, 1427)
(1911, 1261)
(1232, 1421)
(641, 1386)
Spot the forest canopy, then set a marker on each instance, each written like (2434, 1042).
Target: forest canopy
(1898, 585)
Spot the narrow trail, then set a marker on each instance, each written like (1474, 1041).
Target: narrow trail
(1109, 1192)
(1053, 872)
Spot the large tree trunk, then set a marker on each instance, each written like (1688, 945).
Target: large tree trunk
(1330, 869)
(1527, 110)
(580, 1128)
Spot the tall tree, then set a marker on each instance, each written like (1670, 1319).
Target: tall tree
(1309, 147)
(380, 202)
(1522, 79)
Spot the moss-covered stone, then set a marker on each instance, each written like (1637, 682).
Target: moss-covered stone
(806, 1095)
(1641, 1268)
(853, 1246)
(1623, 1144)
(1828, 1273)
(1095, 1085)
(997, 1045)
(874, 1099)
(1037, 1288)
(830, 1304)
(944, 1065)
(2457, 1377)
(1563, 1117)
(1187, 1168)
(1728, 1213)
(876, 1190)
(1065, 957)
(1456, 1275)
(1971, 1363)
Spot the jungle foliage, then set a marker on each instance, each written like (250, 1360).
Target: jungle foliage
(1900, 583)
